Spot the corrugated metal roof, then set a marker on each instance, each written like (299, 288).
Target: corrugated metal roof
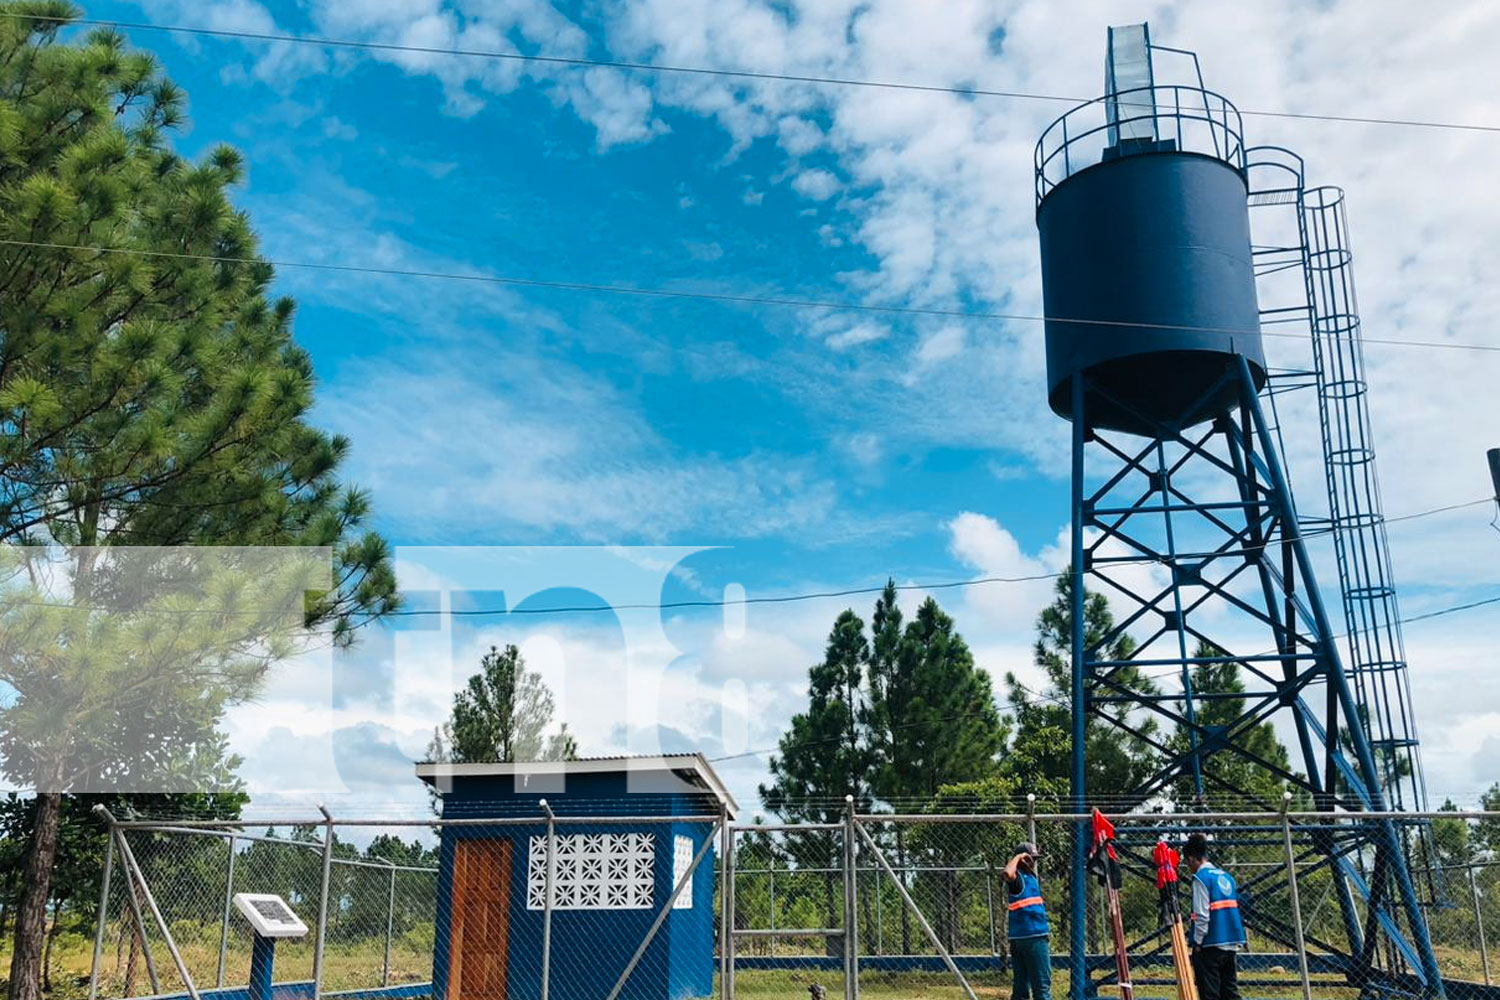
(696, 763)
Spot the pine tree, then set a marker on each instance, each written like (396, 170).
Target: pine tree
(885, 652)
(150, 395)
(503, 714)
(1040, 753)
(824, 755)
(944, 727)
(1231, 779)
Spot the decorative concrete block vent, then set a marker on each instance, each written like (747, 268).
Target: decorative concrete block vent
(626, 832)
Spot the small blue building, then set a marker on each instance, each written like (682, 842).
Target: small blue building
(611, 878)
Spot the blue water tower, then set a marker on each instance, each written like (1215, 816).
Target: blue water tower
(1147, 277)
(1182, 514)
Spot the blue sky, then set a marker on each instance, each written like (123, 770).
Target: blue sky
(815, 449)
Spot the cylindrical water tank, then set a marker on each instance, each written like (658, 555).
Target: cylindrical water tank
(1149, 288)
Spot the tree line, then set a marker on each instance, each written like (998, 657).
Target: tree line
(901, 716)
(900, 713)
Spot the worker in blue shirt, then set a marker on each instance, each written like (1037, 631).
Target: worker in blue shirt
(1218, 931)
(1026, 923)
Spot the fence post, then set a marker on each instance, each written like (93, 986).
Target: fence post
(1031, 817)
(109, 866)
(1291, 874)
(321, 934)
(851, 906)
(726, 906)
(1484, 954)
(771, 871)
(133, 870)
(390, 924)
(130, 897)
(228, 905)
(547, 892)
(989, 904)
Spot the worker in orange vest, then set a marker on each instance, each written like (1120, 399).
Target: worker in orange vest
(1026, 923)
(1218, 929)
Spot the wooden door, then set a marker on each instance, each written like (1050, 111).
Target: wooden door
(481, 919)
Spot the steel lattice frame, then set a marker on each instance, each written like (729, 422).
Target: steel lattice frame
(1193, 535)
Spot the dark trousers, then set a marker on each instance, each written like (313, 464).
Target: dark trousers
(1214, 970)
(1031, 969)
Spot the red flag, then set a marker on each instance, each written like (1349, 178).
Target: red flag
(1166, 861)
(1104, 835)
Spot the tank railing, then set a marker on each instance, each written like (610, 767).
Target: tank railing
(1196, 120)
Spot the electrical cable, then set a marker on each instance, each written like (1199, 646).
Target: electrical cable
(584, 62)
(667, 293)
(1067, 702)
(776, 598)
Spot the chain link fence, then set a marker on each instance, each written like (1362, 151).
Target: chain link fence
(378, 929)
(599, 908)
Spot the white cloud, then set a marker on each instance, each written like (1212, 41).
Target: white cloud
(704, 250)
(436, 169)
(798, 136)
(860, 333)
(942, 344)
(551, 449)
(334, 128)
(279, 64)
(817, 184)
(1003, 610)
(865, 448)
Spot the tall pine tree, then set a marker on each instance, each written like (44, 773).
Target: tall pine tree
(825, 756)
(503, 713)
(150, 395)
(1040, 753)
(890, 719)
(939, 710)
(1231, 779)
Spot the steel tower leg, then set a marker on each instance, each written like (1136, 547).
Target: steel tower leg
(1391, 850)
(1078, 925)
(1208, 508)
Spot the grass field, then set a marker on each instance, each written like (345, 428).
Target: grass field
(352, 966)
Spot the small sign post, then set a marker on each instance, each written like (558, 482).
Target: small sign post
(270, 918)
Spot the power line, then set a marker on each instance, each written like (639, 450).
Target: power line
(1450, 610)
(1067, 702)
(789, 598)
(813, 595)
(724, 297)
(585, 62)
(1439, 510)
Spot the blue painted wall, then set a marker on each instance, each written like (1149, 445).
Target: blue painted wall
(692, 941)
(590, 948)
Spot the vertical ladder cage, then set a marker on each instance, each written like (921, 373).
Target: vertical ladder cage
(1312, 244)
